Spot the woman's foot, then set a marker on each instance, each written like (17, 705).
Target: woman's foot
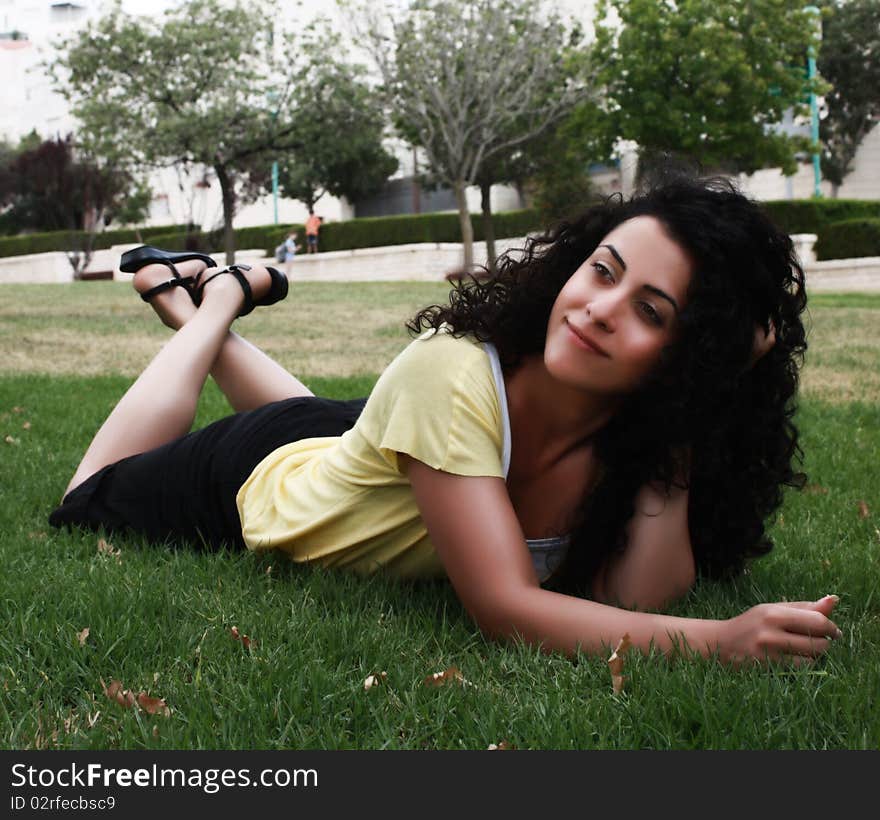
(247, 286)
(175, 305)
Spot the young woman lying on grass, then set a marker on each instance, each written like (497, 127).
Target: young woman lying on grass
(576, 438)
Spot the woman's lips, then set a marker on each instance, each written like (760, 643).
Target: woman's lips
(582, 340)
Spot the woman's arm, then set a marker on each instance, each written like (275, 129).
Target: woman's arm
(657, 565)
(475, 531)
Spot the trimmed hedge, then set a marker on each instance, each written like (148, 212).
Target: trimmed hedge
(369, 232)
(336, 236)
(184, 241)
(376, 232)
(792, 216)
(811, 215)
(848, 239)
(74, 240)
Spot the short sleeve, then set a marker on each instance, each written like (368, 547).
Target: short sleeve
(438, 403)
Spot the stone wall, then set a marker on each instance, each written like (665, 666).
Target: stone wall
(429, 262)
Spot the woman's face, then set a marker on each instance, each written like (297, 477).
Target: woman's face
(618, 310)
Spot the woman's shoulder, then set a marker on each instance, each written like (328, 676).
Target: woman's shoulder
(436, 365)
(440, 349)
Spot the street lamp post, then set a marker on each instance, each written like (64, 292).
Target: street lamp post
(273, 97)
(275, 188)
(814, 105)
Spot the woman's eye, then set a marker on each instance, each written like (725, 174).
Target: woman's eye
(651, 313)
(603, 271)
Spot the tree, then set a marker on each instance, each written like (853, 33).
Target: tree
(553, 170)
(189, 89)
(471, 80)
(707, 80)
(51, 187)
(849, 60)
(340, 124)
(559, 182)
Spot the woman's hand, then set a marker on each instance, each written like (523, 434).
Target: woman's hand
(797, 630)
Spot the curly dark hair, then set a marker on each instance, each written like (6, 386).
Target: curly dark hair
(706, 412)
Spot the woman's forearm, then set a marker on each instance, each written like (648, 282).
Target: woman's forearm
(557, 622)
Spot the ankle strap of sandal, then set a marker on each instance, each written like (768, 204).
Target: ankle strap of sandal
(237, 271)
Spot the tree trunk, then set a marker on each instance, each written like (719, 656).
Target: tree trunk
(835, 190)
(467, 230)
(488, 228)
(227, 190)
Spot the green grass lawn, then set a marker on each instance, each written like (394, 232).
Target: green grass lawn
(160, 620)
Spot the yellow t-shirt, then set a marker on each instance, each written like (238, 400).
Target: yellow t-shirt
(342, 502)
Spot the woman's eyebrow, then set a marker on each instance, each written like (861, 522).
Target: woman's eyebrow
(663, 295)
(615, 254)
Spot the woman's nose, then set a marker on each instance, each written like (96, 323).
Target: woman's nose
(602, 311)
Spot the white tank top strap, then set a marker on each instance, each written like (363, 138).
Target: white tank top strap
(498, 375)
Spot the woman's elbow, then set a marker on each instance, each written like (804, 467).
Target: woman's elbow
(652, 588)
(500, 616)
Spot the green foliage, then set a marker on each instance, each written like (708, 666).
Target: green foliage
(77, 240)
(403, 230)
(339, 129)
(265, 236)
(812, 215)
(707, 80)
(849, 239)
(849, 59)
(560, 183)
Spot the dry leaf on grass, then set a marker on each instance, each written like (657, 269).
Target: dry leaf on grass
(18, 409)
(153, 706)
(26, 426)
(245, 640)
(106, 548)
(615, 663)
(128, 699)
(81, 636)
(371, 680)
(864, 512)
(451, 675)
(503, 746)
(11, 440)
(815, 489)
(116, 692)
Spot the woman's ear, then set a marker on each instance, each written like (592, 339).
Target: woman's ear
(764, 340)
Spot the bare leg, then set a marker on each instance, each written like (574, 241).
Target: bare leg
(244, 373)
(161, 405)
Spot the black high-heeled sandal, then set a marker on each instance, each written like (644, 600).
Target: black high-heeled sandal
(132, 261)
(277, 290)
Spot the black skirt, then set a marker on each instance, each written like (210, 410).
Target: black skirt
(185, 490)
